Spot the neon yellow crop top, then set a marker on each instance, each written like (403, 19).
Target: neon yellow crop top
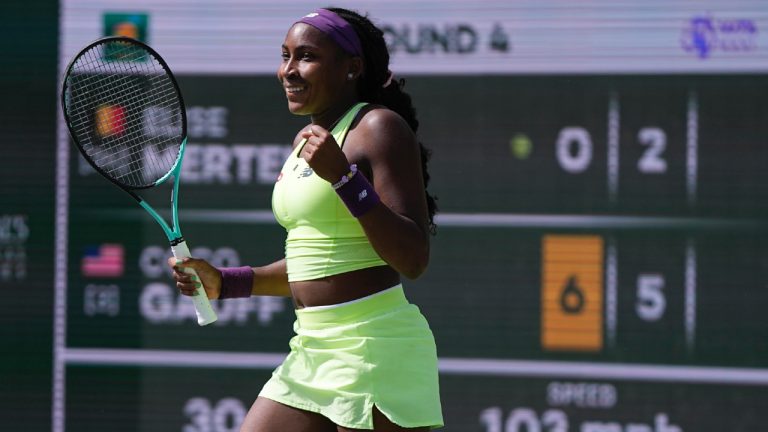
(324, 239)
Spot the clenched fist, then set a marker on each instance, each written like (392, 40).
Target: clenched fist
(323, 154)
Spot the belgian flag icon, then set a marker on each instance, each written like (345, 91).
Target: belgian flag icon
(572, 293)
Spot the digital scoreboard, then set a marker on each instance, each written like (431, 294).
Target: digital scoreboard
(646, 289)
(600, 263)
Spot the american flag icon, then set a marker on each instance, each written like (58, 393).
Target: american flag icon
(106, 260)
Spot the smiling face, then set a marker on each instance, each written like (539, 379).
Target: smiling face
(313, 71)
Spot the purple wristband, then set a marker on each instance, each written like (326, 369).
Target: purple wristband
(358, 195)
(236, 282)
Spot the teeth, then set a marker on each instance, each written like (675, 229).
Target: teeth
(294, 89)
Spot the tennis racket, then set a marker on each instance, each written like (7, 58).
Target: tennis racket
(125, 114)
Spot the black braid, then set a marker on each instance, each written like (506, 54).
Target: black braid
(375, 74)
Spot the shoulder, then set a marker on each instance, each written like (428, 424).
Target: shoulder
(382, 119)
(381, 129)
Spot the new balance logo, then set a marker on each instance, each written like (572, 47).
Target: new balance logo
(306, 172)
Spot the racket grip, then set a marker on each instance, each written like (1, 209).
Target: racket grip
(203, 308)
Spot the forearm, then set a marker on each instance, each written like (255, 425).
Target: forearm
(398, 240)
(271, 280)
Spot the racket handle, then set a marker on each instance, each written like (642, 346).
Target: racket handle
(205, 313)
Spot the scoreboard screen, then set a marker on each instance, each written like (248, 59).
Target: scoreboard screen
(601, 258)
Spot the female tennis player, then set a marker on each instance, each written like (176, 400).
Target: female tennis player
(352, 197)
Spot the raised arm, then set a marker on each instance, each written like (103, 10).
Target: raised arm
(385, 146)
(387, 153)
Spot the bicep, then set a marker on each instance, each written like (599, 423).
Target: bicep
(395, 162)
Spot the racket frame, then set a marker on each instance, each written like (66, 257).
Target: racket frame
(205, 313)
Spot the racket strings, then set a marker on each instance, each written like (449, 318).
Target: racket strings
(119, 162)
(136, 134)
(125, 112)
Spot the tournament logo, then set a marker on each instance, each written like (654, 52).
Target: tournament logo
(705, 35)
(133, 25)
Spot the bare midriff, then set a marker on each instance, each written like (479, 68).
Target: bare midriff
(343, 287)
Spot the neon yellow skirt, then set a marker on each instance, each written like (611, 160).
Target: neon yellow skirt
(347, 358)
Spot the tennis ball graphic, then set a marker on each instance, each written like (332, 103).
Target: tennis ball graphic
(520, 146)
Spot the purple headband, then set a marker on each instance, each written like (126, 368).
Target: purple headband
(337, 28)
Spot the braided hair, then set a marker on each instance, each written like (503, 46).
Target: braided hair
(371, 87)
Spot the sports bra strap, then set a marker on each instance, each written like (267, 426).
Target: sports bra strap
(342, 127)
(339, 131)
